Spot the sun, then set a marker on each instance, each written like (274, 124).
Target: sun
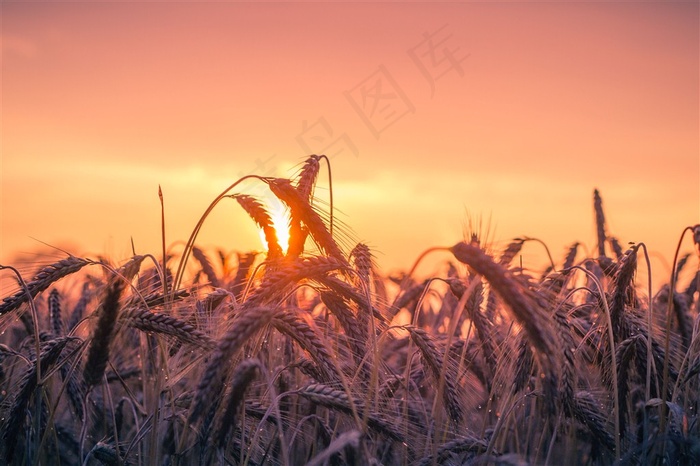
(279, 214)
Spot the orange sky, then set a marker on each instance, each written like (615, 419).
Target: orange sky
(541, 103)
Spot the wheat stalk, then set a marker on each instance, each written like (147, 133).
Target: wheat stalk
(42, 280)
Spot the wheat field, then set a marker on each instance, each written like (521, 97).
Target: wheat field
(310, 355)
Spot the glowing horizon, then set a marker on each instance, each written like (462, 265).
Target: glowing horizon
(513, 112)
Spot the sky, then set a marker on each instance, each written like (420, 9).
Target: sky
(435, 117)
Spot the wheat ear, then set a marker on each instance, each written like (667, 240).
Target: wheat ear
(98, 351)
(533, 318)
(246, 323)
(42, 280)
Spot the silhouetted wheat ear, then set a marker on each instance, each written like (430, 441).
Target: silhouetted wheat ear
(79, 309)
(533, 318)
(74, 387)
(42, 280)
(511, 251)
(599, 222)
(245, 262)
(626, 356)
(98, 351)
(615, 245)
(481, 324)
(207, 268)
(407, 297)
(587, 411)
(356, 333)
(244, 326)
(262, 218)
(130, 268)
(559, 280)
(568, 373)
(434, 362)
(681, 309)
(350, 293)
(523, 364)
(55, 319)
(571, 256)
(243, 376)
(147, 321)
(276, 280)
(12, 425)
(105, 453)
(300, 207)
(623, 293)
(310, 369)
(332, 398)
(343, 442)
(293, 325)
(470, 445)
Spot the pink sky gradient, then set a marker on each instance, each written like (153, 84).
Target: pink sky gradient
(102, 103)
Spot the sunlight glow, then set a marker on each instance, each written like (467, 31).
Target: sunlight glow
(279, 214)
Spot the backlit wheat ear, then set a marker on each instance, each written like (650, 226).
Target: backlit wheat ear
(102, 336)
(307, 177)
(262, 218)
(42, 280)
(283, 189)
(305, 185)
